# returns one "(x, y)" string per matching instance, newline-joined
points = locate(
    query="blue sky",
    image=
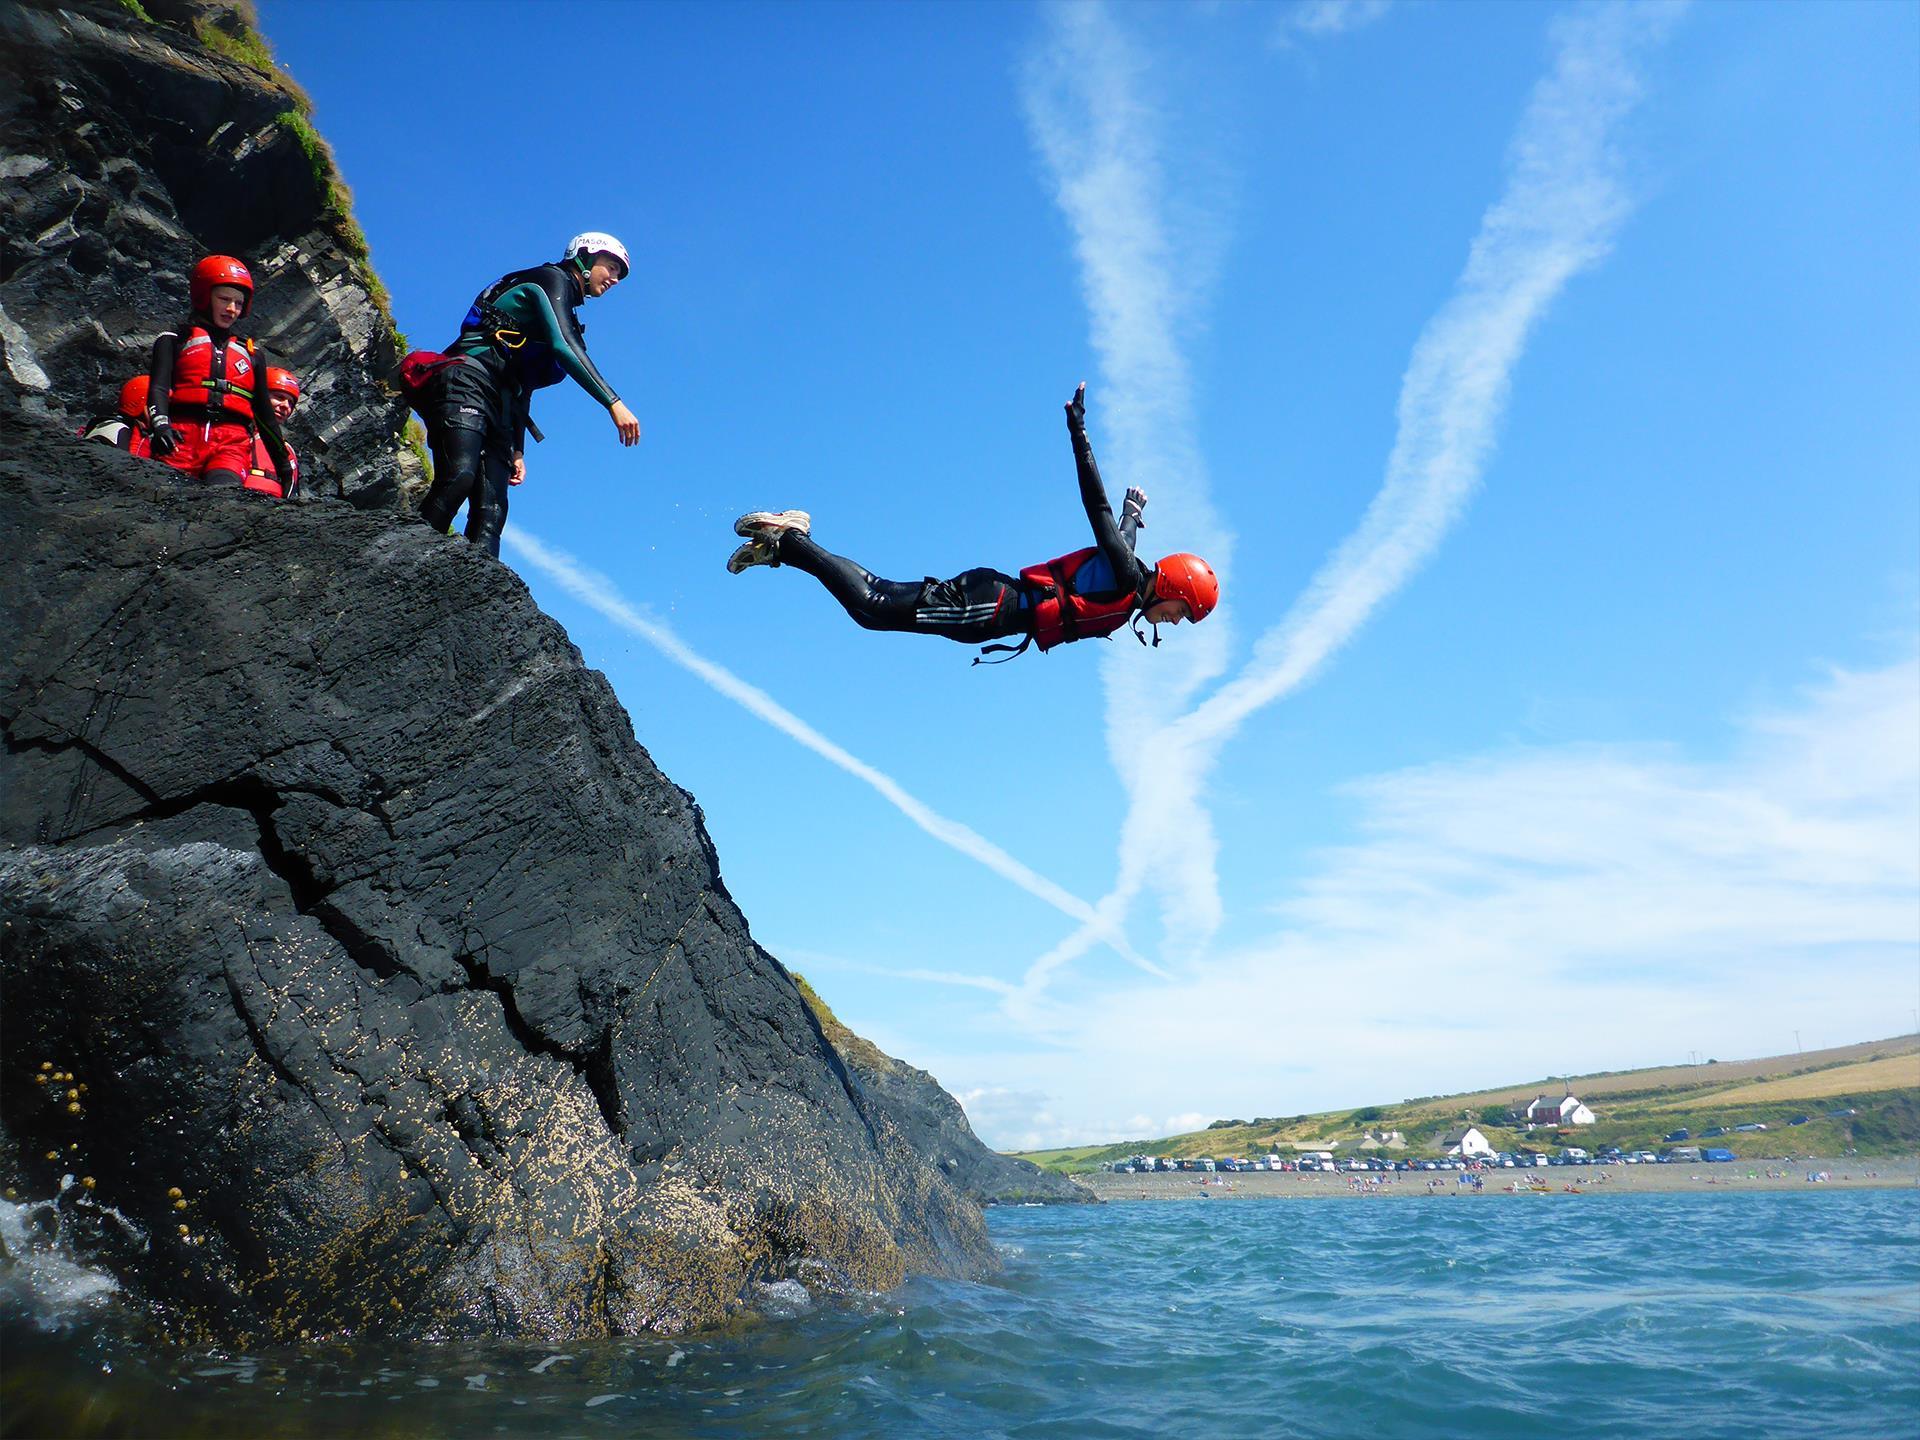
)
(1539, 377)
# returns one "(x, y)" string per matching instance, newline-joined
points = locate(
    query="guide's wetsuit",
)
(520, 335)
(980, 605)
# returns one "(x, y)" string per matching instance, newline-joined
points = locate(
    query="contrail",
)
(1086, 90)
(599, 593)
(1561, 207)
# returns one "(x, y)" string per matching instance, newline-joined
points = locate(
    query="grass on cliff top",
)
(137, 10)
(862, 1052)
(1880, 1081)
(236, 35)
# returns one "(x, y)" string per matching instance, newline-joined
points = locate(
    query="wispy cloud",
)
(1563, 202)
(1088, 92)
(1648, 902)
(1327, 17)
(600, 594)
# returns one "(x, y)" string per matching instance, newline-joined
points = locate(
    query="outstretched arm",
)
(547, 310)
(1114, 542)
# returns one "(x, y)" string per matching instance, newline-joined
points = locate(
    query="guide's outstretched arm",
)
(1114, 540)
(549, 316)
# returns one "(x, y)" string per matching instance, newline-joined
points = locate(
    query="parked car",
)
(1643, 1157)
(1799, 1120)
(1681, 1155)
(1750, 1127)
(1715, 1153)
(1717, 1130)
(1841, 1113)
(1673, 1135)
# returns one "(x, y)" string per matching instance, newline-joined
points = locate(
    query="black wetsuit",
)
(980, 605)
(521, 334)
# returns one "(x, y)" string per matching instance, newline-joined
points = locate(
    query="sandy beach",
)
(1900, 1173)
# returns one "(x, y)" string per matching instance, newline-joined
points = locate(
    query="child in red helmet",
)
(203, 383)
(283, 394)
(128, 429)
(1088, 593)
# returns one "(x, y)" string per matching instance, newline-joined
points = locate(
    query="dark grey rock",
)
(936, 1126)
(345, 891)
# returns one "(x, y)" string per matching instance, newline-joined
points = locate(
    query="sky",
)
(1538, 379)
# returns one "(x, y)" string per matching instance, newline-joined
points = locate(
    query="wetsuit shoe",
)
(758, 551)
(770, 522)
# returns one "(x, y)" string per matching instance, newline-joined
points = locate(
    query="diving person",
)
(1087, 593)
(520, 335)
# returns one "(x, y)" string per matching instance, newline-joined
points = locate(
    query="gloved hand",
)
(165, 439)
(1077, 410)
(1132, 506)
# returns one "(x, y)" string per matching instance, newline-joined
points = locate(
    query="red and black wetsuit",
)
(203, 383)
(980, 605)
(520, 335)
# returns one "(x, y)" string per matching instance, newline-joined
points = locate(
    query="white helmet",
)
(598, 242)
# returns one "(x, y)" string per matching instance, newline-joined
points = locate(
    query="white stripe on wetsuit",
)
(955, 614)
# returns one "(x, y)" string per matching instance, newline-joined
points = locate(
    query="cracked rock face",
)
(127, 151)
(353, 947)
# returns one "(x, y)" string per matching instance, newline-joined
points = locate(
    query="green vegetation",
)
(337, 208)
(137, 10)
(236, 35)
(1636, 1108)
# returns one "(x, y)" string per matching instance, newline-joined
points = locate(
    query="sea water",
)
(1642, 1315)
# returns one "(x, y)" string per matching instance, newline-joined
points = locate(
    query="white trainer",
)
(757, 551)
(771, 522)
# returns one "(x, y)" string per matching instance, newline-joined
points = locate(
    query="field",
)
(1854, 1099)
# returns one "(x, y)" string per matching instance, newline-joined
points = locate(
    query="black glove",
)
(1077, 410)
(165, 439)
(1132, 506)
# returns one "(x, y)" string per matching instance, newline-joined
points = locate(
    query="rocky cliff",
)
(131, 144)
(358, 969)
(356, 953)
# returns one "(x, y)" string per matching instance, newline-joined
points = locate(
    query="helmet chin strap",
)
(1141, 638)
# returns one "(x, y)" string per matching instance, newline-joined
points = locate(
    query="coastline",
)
(1890, 1173)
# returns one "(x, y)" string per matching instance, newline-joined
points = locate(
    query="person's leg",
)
(459, 416)
(974, 606)
(487, 507)
(456, 470)
(874, 603)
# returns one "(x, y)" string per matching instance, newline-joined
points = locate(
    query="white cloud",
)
(1327, 17)
(1528, 912)
(1562, 203)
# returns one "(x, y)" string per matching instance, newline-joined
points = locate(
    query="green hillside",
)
(1859, 1098)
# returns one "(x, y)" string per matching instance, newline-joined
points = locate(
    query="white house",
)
(1567, 1110)
(1466, 1143)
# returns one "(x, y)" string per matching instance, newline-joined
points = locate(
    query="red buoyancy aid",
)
(259, 476)
(1060, 614)
(213, 380)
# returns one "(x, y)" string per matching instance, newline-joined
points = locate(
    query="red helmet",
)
(1188, 578)
(133, 397)
(218, 270)
(282, 382)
